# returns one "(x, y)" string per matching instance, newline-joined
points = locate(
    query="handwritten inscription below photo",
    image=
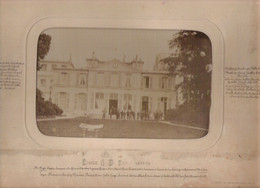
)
(123, 83)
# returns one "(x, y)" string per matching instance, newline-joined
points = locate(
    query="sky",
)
(108, 44)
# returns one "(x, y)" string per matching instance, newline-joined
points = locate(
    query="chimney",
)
(93, 55)
(70, 60)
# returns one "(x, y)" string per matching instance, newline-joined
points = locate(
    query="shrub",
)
(46, 108)
(189, 114)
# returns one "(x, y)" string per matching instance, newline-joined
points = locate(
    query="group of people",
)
(127, 114)
(131, 115)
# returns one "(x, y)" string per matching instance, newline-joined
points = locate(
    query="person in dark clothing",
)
(111, 112)
(104, 113)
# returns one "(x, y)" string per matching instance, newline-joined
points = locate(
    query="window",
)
(99, 102)
(146, 81)
(64, 66)
(127, 102)
(163, 105)
(163, 82)
(128, 81)
(127, 97)
(43, 67)
(114, 80)
(64, 79)
(100, 79)
(145, 102)
(64, 101)
(145, 98)
(43, 82)
(99, 95)
(82, 101)
(113, 96)
(82, 79)
(53, 67)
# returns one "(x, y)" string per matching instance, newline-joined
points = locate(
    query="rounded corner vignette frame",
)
(216, 112)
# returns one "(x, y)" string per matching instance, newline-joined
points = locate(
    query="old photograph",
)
(123, 83)
(152, 94)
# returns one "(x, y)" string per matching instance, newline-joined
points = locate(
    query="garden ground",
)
(119, 129)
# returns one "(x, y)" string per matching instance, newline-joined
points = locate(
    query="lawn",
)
(118, 129)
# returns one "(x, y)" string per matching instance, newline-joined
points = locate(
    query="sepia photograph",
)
(152, 94)
(123, 83)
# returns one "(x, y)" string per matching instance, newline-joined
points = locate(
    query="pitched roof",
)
(115, 65)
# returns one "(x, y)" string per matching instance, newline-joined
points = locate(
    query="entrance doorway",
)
(81, 103)
(164, 104)
(113, 106)
(145, 104)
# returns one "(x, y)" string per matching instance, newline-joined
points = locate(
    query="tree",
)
(43, 47)
(192, 60)
(44, 108)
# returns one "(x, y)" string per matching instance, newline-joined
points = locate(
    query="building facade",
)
(106, 86)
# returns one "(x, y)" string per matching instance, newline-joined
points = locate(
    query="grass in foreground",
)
(118, 129)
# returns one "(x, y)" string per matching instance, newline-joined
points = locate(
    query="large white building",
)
(102, 86)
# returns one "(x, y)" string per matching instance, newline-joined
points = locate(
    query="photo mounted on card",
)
(134, 82)
(123, 83)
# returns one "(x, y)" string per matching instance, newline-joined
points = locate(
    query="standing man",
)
(111, 112)
(104, 113)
